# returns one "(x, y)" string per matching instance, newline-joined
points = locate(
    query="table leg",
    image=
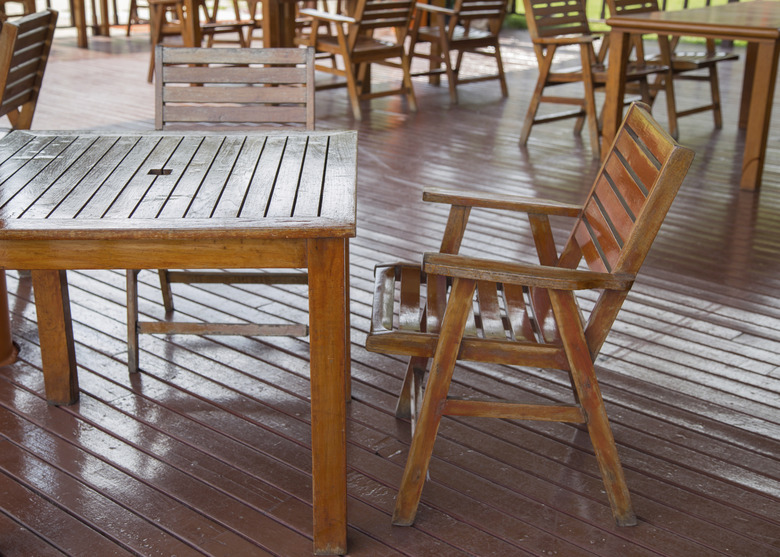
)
(619, 47)
(747, 84)
(191, 34)
(278, 23)
(760, 114)
(55, 332)
(8, 350)
(328, 318)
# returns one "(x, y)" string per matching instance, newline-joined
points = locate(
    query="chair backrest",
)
(234, 86)
(553, 18)
(631, 7)
(629, 200)
(373, 15)
(24, 51)
(493, 11)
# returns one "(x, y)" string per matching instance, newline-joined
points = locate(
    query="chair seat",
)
(409, 306)
(459, 34)
(367, 46)
(687, 61)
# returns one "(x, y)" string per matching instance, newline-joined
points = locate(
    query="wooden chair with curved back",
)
(375, 33)
(25, 44)
(527, 314)
(470, 26)
(201, 87)
(554, 25)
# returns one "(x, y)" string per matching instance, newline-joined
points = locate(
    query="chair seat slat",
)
(490, 321)
(409, 310)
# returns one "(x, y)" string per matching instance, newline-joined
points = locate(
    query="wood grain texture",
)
(689, 372)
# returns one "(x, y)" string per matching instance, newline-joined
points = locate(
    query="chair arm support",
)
(542, 276)
(435, 9)
(326, 16)
(507, 202)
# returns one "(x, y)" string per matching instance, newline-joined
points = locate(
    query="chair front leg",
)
(439, 378)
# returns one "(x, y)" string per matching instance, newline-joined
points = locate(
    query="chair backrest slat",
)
(234, 85)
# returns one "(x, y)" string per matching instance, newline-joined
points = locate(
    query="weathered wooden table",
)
(162, 200)
(757, 22)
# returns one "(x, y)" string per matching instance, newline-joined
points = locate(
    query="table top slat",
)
(337, 201)
(260, 190)
(162, 185)
(229, 204)
(313, 173)
(213, 184)
(32, 170)
(93, 167)
(287, 180)
(114, 197)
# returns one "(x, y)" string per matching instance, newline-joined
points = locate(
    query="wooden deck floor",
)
(206, 451)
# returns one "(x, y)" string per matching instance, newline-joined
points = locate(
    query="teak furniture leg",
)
(620, 45)
(453, 325)
(80, 21)
(583, 377)
(55, 331)
(747, 84)
(8, 350)
(329, 336)
(760, 113)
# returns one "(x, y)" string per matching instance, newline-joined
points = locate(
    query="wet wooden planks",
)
(207, 450)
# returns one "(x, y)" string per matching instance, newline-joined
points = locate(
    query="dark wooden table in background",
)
(757, 22)
(162, 200)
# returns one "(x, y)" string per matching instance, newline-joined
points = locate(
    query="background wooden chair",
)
(559, 24)
(525, 314)
(471, 26)
(24, 51)
(203, 86)
(166, 19)
(683, 63)
(374, 34)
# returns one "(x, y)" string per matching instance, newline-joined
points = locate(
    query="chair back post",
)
(25, 45)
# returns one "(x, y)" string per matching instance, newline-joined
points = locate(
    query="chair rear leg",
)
(408, 399)
(715, 90)
(439, 378)
(165, 289)
(588, 393)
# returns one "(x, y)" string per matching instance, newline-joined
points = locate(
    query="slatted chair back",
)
(550, 18)
(624, 210)
(490, 11)
(374, 15)
(234, 86)
(24, 51)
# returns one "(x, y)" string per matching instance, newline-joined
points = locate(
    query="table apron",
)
(153, 254)
(749, 35)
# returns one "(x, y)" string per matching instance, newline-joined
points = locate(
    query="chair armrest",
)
(326, 16)
(567, 39)
(507, 202)
(542, 276)
(435, 9)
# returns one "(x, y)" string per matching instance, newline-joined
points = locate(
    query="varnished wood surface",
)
(208, 449)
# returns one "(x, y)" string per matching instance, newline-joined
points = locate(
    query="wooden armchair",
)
(374, 34)
(451, 30)
(559, 24)
(203, 86)
(683, 63)
(24, 51)
(526, 314)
